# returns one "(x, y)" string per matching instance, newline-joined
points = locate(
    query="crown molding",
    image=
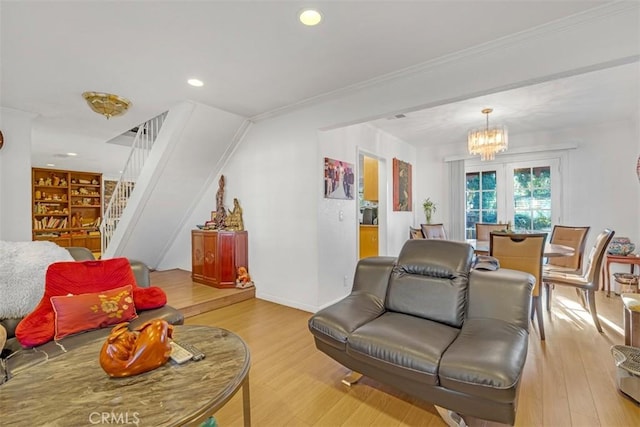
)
(518, 150)
(557, 26)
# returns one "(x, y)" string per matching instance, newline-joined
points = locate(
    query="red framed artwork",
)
(402, 189)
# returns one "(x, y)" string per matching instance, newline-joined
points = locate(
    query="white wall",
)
(15, 176)
(432, 182)
(601, 181)
(337, 239)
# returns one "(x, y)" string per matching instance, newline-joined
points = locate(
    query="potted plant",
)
(429, 209)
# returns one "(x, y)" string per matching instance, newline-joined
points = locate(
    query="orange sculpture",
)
(243, 280)
(126, 353)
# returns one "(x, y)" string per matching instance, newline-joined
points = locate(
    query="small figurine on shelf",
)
(41, 181)
(234, 219)
(221, 212)
(243, 280)
(63, 182)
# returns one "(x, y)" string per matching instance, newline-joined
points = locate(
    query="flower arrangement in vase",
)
(429, 209)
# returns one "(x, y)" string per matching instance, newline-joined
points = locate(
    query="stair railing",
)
(140, 149)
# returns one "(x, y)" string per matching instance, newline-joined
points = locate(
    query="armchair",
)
(428, 325)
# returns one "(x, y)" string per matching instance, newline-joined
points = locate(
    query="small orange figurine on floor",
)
(243, 280)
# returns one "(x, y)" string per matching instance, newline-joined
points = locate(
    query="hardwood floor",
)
(569, 379)
(193, 298)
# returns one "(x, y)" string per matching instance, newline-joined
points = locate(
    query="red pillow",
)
(84, 312)
(79, 277)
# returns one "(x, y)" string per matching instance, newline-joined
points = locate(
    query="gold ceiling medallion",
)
(107, 104)
(488, 141)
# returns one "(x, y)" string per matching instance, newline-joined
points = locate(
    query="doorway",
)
(371, 205)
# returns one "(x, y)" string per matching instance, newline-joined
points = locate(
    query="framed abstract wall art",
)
(339, 179)
(402, 188)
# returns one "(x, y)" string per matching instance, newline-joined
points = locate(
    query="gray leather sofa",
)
(428, 325)
(28, 357)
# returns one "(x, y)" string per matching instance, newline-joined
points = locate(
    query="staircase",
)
(140, 149)
(175, 162)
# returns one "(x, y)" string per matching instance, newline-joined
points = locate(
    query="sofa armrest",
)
(503, 294)
(335, 323)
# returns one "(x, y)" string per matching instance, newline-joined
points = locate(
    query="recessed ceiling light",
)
(310, 17)
(72, 154)
(195, 82)
(50, 164)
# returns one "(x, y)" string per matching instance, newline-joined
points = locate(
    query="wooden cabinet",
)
(368, 241)
(370, 179)
(66, 207)
(216, 256)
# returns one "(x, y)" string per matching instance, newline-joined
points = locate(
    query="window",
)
(524, 194)
(482, 200)
(532, 198)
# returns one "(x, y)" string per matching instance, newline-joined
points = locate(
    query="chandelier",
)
(107, 104)
(488, 141)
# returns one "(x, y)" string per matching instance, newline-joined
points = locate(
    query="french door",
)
(524, 194)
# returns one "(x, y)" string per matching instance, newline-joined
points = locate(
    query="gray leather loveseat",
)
(428, 325)
(18, 359)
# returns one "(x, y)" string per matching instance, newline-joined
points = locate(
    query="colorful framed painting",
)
(339, 179)
(402, 186)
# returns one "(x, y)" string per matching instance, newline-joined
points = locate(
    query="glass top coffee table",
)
(73, 390)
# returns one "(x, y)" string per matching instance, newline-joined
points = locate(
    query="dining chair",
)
(415, 233)
(433, 231)
(587, 283)
(523, 252)
(483, 229)
(573, 237)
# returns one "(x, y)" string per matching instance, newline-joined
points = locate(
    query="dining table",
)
(550, 249)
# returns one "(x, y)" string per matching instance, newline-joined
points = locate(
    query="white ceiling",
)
(599, 96)
(256, 59)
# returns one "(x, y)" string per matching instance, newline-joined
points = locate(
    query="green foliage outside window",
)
(531, 199)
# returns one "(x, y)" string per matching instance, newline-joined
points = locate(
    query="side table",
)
(633, 260)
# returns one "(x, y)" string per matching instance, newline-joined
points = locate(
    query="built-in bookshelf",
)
(67, 207)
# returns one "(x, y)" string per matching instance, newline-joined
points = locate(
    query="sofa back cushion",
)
(431, 280)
